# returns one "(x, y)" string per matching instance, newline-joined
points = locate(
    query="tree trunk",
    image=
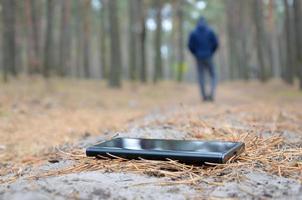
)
(36, 32)
(86, 39)
(133, 39)
(274, 39)
(231, 28)
(78, 21)
(137, 32)
(9, 40)
(48, 48)
(298, 26)
(243, 48)
(180, 53)
(158, 73)
(115, 69)
(173, 41)
(260, 38)
(33, 51)
(289, 68)
(103, 39)
(142, 38)
(65, 42)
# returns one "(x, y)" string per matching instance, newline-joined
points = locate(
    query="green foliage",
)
(179, 69)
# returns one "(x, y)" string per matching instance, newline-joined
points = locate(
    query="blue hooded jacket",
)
(203, 41)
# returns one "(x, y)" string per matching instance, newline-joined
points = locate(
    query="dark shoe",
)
(211, 98)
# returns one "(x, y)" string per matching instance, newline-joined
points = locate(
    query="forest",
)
(146, 41)
(77, 73)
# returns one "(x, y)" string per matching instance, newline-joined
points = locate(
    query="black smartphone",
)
(186, 151)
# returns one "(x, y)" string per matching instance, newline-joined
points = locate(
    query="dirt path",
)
(266, 112)
(122, 185)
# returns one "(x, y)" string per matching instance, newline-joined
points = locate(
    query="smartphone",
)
(186, 151)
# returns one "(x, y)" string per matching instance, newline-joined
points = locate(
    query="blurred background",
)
(146, 40)
(60, 59)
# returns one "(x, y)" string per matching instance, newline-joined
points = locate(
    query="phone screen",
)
(169, 145)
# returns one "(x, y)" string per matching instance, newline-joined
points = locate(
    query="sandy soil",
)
(269, 110)
(122, 185)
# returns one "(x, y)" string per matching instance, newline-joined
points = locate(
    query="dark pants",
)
(204, 66)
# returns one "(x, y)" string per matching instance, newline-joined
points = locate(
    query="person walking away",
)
(203, 43)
